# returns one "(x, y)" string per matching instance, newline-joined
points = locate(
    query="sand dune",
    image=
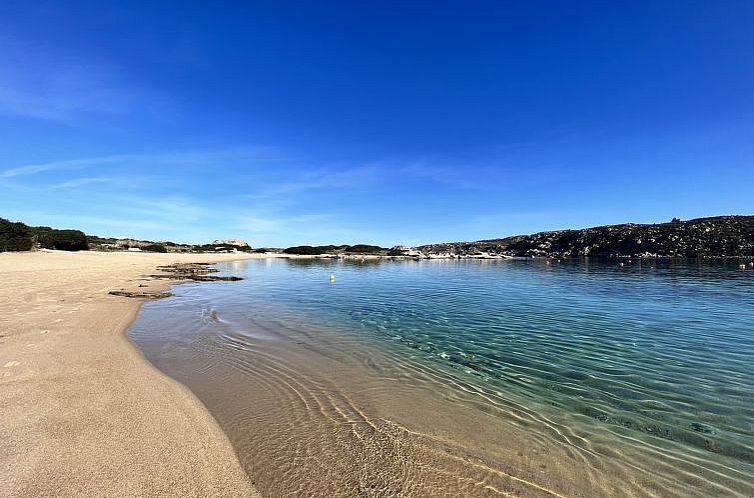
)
(81, 411)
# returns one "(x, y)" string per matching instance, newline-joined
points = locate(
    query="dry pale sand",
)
(82, 413)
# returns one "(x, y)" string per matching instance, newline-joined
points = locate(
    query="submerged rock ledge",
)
(144, 294)
(198, 272)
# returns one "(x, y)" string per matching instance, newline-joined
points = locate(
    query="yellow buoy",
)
(332, 278)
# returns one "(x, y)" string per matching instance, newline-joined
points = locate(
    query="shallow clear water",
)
(472, 378)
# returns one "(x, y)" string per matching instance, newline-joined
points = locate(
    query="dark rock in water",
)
(188, 268)
(197, 272)
(196, 278)
(141, 294)
(703, 428)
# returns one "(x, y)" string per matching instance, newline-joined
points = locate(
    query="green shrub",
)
(316, 250)
(14, 236)
(154, 248)
(364, 248)
(20, 237)
(312, 250)
(64, 240)
(303, 250)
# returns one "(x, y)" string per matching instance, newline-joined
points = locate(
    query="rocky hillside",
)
(720, 236)
(112, 244)
(230, 242)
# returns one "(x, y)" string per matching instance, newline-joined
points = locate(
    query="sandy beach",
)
(82, 413)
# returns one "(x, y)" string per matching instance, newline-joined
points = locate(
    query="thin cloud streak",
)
(73, 164)
(79, 182)
(320, 179)
(52, 82)
(198, 157)
(64, 95)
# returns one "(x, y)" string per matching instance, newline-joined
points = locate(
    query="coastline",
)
(320, 400)
(82, 412)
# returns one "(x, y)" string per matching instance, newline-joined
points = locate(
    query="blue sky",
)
(377, 122)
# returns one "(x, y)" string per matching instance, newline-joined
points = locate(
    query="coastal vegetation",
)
(365, 249)
(16, 236)
(155, 248)
(331, 249)
(219, 248)
(721, 236)
(112, 244)
(63, 240)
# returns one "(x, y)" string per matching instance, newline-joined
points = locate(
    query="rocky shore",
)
(198, 272)
(721, 236)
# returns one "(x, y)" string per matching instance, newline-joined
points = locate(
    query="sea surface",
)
(472, 378)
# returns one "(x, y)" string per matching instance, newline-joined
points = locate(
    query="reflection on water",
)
(472, 378)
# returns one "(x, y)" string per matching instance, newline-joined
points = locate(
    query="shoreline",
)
(317, 405)
(83, 412)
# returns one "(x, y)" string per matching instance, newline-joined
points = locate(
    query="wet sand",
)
(82, 413)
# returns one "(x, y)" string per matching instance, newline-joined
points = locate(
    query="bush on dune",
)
(63, 240)
(154, 248)
(20, 237)
(365, 248)
(14, 236)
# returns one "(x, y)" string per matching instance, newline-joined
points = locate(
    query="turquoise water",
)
(658, 355)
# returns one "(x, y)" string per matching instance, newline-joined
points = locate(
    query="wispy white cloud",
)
(456, 176)
(498, 175)
(176, 210)
(196, 157)
(184, 195)
(523, 222)
(53, 88)
(265, 227)
(79, 182)
(65, 83)
(73, 164)
(318, 179)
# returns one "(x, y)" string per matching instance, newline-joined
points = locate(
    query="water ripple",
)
(469, 378)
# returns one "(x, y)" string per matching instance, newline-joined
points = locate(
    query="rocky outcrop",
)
(198, 272)
(230, 242)
(142, 294)
(721, 236)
